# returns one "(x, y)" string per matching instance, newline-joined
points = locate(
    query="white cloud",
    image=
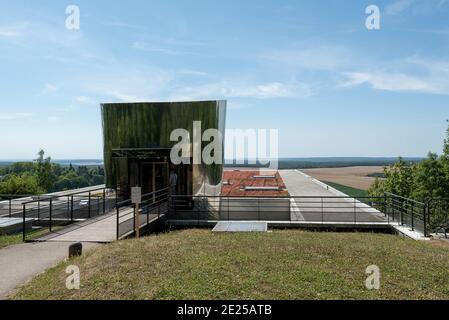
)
(14, 116)
(85, 100)
(49, 88)
(312, 57)
(12, 31)
(398, 6)
(429, 76)
(390, 82)
(54, 119)
(236, 89)
(146, 47)
(415, 7)
(8, 34)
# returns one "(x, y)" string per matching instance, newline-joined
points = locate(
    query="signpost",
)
(136, 199)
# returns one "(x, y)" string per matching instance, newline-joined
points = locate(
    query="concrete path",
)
(102, 229)
(332, 207)
(20, 263)
(299, 184)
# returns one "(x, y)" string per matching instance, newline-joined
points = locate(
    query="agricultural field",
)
(355, 177)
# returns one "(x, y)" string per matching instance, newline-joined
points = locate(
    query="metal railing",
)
(407, 212)
(45, 214)
(48, 213)
(153, 206)
(11, 205)
(438, 217)
(317, 209)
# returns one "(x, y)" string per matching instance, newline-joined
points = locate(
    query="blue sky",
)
(308, 68)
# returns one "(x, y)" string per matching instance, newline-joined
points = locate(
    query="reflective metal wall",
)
(149, 125)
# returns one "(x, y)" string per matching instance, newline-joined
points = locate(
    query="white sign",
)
(136, 195)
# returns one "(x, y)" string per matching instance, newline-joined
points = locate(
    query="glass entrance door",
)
(155, 176)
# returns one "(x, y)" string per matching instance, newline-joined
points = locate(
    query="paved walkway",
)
(20, 263)
(316, 201)
(102, 229)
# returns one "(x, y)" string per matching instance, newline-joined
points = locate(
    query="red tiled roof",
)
(239, 179)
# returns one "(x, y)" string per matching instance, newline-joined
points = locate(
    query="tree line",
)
(42, 176)
(420, 181)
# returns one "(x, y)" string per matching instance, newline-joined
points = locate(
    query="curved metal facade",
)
(143, 129)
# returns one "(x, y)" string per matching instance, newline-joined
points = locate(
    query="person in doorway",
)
(173, 181)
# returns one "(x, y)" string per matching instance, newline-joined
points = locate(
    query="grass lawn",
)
(350, 191)
(8, 240)
(199, 264)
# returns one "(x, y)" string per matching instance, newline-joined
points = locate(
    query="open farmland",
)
(355, 177)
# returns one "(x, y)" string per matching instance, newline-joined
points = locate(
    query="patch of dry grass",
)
(199, 264)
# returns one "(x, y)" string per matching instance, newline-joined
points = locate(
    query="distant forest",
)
(42, 176)
(332, 162)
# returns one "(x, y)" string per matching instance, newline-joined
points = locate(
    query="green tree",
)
(429, 179)
(44, 172)
(399, 178)
(25, 184)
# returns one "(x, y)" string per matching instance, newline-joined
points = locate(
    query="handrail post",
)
(402, 212)
(89, 213)
(355, 211)
(68, 208)
(104, 200)
(10, 211)
(51, 215)
(39, 208)
(386, 208)
(413, 217)
(134, 220)
(118, 222)
(24, 224)
(71, 208)
(426, 212)
(228, 208)
(322, 210)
